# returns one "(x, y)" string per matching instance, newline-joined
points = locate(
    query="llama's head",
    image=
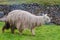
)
(47, 19)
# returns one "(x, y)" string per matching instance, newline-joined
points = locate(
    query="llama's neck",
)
(40, 19)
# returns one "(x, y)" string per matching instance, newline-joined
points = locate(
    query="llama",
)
(23, 19)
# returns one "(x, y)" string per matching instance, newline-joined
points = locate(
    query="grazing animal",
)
(23, 19)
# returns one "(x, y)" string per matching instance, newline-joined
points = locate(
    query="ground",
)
(45, 32)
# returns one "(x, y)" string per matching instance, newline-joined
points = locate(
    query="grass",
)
(45, 32)
(44, 2)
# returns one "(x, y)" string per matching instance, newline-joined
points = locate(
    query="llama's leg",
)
(4, 27)
(33, 32)
(19, 27)
(7, 25)
(12, 28)
(20, 30)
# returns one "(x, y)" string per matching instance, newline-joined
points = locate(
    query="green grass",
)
(44, 2)
(45, 32)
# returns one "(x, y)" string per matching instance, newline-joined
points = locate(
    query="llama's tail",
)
(3, 19)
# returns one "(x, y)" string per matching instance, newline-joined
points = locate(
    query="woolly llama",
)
(23, 19)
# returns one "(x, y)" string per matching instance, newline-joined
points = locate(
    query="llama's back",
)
(21, 12)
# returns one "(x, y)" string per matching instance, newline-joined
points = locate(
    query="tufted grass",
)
(45, 32)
